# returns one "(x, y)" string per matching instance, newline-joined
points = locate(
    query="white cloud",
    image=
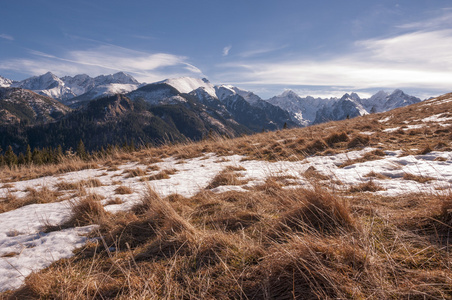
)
(416, 59)
(6, 37)
(106, 59)
(226, 50)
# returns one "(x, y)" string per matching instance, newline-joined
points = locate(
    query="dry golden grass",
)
(86, 210)
(369, 156)
(113, 201)
(137, 172)
(418, 178)
(123, 190)
(300, 243)
(312, 174)
(27, 172)
(227, 177)
(34, 196)
(164, 174)
(376, 175)
(368, 186)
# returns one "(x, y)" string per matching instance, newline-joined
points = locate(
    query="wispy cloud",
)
(226, 50)
(443, 20)
(6, 37)
(260, 50)
(417, 58)
(106, 59)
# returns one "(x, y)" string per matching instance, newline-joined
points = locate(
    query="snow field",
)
(25, 248)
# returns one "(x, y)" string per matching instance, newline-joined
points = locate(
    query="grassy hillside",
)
(353, 209)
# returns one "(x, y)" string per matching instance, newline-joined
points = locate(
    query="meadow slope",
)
(360, 208)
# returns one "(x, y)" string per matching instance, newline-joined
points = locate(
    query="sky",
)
(318, 48)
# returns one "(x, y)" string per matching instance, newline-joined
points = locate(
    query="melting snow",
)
(437, 118)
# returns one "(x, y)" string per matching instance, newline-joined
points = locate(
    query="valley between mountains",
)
(354, 208)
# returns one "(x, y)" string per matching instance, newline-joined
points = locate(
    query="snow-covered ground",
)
(25, 248)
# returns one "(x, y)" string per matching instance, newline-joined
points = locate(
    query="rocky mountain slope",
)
(20, 106)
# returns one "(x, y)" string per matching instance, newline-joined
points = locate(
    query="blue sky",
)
(320, 48)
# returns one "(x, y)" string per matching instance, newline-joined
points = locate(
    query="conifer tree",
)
(10, 157)
(81, 152)
(21, 159)
(28, 155)
(37, 157)
(59, 153)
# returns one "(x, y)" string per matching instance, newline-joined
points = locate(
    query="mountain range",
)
(117, 108)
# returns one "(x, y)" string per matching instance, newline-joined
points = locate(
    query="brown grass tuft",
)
(315, 147)
(34, 196)
(85, 211)
(164, 174)
(226, 177)
(134, 172)
(317, 210)
(337, 138)
(359, 141)
(368, 186)
(418, 178)
(425, 150)
(122, 190)
(376, 175)
(311, 268)
(64, 185)
(312, 174)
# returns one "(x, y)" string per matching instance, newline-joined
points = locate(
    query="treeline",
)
(50, 155)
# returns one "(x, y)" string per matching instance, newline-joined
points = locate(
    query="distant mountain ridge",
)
(229, 102)
(117, 109)
(66, 88)
(226, 100)
(307, 111)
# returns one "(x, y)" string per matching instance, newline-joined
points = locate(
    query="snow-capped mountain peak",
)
(351, 97)
(289, 94)
(383, 101)
(186, 85)
(224, 91)
(66, 88)
(43, 82)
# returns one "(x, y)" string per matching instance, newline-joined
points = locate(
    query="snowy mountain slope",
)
(101, 91)
(302, 110)
(156, 93)
(83, 83)
(258, 116)
(5, 82)
(349, 106)
(383, 101)
(272, 112)
(48, 85)
(223, 91)
(66, 88)
(186, 85)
